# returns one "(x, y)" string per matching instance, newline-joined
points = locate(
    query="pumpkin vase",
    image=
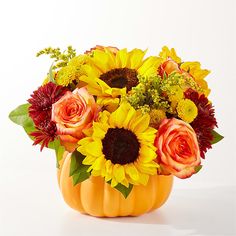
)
(97, 198)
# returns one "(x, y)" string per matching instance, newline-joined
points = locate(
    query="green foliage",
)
(51, 76)
(29, 130)
(78, 171)
(20, 116)
(216, 137)
(198, 168)
(59, 150)
(123, 189)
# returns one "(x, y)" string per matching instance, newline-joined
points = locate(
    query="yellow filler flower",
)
(120, 147)
(72, 72)
(187, 110)
(111, 75)
(192, 69)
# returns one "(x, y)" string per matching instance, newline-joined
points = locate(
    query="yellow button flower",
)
(187, 110)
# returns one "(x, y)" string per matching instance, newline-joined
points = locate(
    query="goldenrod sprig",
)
(61, 59)
(148, 95)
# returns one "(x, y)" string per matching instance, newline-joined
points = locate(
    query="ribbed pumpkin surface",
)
(95, 197)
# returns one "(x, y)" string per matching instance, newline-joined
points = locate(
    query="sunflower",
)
(112, 75)
(120, 147)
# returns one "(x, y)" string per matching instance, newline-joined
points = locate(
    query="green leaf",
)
(164, 75)
(197, 168)
(59, 154)
(123, 189)
(59, 150)
(76, 161)
(29, 129)
(51, 77)
(78, 170)
(80, 177)
(53, 145)
(20, 116)
(216, 137)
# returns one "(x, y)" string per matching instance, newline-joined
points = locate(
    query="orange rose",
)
(102, 48)
(168, 67)
(177, 148)
(73, 113)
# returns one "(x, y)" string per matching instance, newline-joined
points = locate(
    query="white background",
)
(203, 30)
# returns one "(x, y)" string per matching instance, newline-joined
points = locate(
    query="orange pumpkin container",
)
(97, 198)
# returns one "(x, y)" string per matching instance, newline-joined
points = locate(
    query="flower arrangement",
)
(122, 116)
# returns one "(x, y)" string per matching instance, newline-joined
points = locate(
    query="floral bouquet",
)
(121, 125)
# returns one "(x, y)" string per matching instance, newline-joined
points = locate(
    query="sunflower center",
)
(121, 146)
(120, 78)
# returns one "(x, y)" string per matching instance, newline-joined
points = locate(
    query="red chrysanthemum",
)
(205, 121)
(40, 111)
(41, 102)
(45, 134)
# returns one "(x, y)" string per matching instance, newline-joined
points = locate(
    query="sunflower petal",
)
(121, 58)
(149, 66)
(147, 154)
(99, 130)
(101, 60)
(147, 136)
(109, 103)
(144, 179)
(129, 115)
(125, 182)
(140, 124)
(89, 160)
(118, 117)
(94, 148)
(169, 53)
(136, 58)
(119, 173)
(108, 166)
(96, 172)
(113, 183)
(132, 172)
(98, 163)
